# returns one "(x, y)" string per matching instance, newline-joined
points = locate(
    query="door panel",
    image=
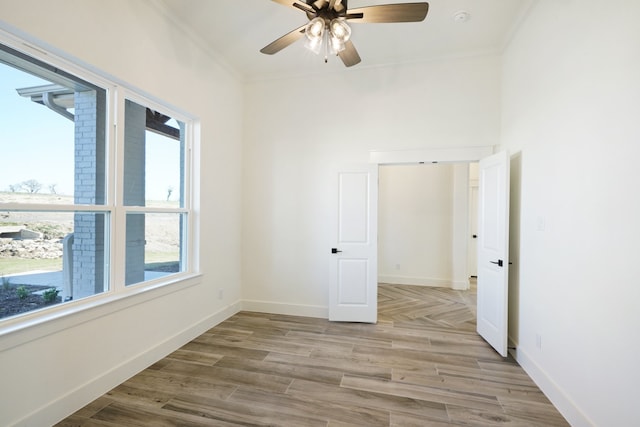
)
(354, 191)
(353, 283)
(493, 251)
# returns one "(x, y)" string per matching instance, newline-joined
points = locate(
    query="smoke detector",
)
(461, 16)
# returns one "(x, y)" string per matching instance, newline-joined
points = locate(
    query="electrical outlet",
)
(221, 294)
(397, 266)
(538, 341)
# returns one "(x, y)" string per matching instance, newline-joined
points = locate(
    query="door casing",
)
(431, 155)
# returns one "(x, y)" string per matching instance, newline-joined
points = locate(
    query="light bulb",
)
(337, 45)
(340, 30)
(314, 45)
(315, 28)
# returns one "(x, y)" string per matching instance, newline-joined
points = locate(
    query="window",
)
(154, 196)
(86, 211)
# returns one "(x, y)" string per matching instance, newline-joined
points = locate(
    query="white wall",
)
(416, 225)
(303, 129)
(49, 371)
(571, 108)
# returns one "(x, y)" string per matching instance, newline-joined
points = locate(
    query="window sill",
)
(36, 325)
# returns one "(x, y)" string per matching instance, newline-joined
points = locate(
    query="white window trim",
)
(32, 325)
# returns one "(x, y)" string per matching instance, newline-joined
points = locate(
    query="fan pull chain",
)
(326, 46)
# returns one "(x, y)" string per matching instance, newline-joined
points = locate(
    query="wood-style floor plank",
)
(368, 399)
(422, 364)
(298, 404)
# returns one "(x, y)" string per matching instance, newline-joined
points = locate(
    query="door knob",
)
(499, 263)
(335, 250)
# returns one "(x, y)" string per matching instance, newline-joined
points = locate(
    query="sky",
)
(35, 143)
(38, 144)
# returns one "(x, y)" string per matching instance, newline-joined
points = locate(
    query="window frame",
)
(68, 314)
(119, 270)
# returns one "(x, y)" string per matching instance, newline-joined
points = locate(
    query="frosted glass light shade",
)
(315, 29)
(340, 30)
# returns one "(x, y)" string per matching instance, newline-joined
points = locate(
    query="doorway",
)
(424, 224)
(493, 197)
(356, 208)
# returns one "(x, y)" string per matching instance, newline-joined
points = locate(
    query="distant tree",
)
(32, 186)
(52, 188)
(169, 192)
(14, 188)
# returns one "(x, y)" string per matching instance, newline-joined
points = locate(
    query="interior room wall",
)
(53, 369)
(571, 102)
(416, 225)
(304, 129)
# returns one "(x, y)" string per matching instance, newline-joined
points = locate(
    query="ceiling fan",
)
(328, 28)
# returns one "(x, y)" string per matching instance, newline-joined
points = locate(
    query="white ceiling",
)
(236, 30)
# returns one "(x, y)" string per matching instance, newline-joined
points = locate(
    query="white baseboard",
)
(58, 409)
(554, 393)
(286, 309)
(460, 285)
(425, 281)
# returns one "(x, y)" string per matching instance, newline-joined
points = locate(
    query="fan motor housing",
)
(323, 11)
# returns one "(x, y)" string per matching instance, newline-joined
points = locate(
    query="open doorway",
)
(353, 282)
(425, 223)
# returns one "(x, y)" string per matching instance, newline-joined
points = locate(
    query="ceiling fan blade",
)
(284, 41)
(384, 13)
(349, 55)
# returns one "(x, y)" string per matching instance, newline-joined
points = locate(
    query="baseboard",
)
(422, 281)
(460, 285)
(58, 409)
(554, 393)
(286, 309)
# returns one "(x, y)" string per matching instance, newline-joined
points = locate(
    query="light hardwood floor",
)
(421, 365)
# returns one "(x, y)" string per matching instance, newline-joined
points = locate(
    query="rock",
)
(31, 249)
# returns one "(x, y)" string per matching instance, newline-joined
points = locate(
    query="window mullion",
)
(118, 221)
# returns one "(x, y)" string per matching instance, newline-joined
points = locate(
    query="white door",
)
(493, 250)
(353, 284)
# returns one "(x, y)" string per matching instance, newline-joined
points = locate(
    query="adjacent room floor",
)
(422, 364)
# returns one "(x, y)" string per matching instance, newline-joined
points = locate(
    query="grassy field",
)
(10, 266)
(41, 198)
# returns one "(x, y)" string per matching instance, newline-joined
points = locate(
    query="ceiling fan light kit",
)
(333, 35)
(328, 25)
